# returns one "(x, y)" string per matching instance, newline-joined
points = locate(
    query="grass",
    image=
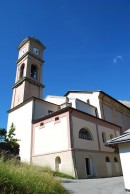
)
(62, 175)
(27, 179)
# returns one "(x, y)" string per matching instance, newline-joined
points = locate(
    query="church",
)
(66, 133)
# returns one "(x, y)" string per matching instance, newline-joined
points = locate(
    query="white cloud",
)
(117, 59)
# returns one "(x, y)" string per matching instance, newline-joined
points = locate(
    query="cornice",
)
(29, 54)
(35, 82)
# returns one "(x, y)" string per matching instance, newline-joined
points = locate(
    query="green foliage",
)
(10, 136)
(62, 175)
(2, 134)
(27, 179)
(9, 144)
(2, 131)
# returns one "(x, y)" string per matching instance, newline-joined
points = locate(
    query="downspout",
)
(72, 144)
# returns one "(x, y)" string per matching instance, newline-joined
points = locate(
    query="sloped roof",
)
(32, 38)
(80, 91)
(126, 103)
(85, 91)
(120, 139)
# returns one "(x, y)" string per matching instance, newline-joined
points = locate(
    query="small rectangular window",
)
(57, 119)
(42, 125)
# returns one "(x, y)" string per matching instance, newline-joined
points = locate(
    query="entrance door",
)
(88, 166)
(108, 164)
(117, 165)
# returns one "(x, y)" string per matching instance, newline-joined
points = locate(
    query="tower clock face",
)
(36, 51)
(22, 51)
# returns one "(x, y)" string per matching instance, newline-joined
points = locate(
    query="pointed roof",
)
(30, 38)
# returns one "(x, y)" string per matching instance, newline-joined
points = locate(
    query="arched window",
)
(34, 72)
(85, 134)
(115, 159)
(111, 136)
(57, 163)
(103, 137)
(21, 71)
(107, 159)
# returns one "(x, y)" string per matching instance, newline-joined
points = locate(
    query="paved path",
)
(114, 185)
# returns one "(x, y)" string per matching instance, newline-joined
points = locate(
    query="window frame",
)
(84, 133)
(104, 137)
(107, 159)
(21, 73)
(115, 160)
(34, 72)
(111, 136)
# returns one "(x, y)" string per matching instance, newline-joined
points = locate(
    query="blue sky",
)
(87, 45)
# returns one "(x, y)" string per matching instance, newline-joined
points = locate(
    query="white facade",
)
(22, 117)
(43, 108)
(76, 103)
(56, 99)
(124, 150)
(96, 103)
(107, 107)
(52, 136)
(22, 120)
(92, 97)
(123, 144)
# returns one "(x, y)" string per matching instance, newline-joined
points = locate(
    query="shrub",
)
(9, 143)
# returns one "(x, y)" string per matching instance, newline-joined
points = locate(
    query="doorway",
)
(109, 169)
(57, 164)
(88, 166)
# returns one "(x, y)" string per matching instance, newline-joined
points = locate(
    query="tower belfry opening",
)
(21, 71)
(34, 72)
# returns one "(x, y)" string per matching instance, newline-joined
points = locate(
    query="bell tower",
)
(28, 80)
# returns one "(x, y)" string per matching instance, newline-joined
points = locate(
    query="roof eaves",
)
(28, 100)
(80, 91)
(28, 39)
(118, 140)
(52, 114)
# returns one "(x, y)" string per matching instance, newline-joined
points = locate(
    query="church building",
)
(66, 133)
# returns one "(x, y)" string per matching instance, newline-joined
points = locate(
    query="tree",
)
(2, 134)
(9, 145)
(10, 136)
